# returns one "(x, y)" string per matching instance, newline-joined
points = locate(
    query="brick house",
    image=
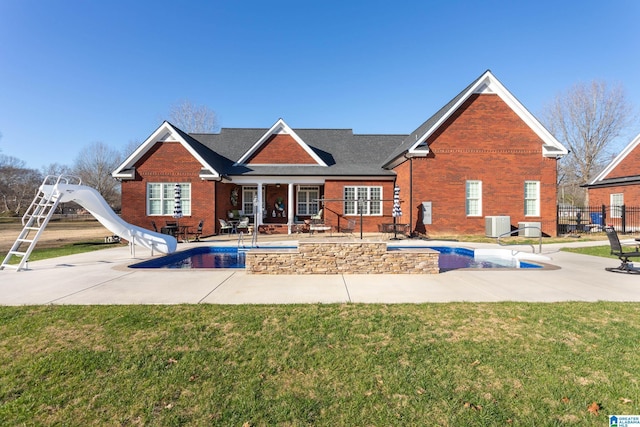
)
(619, 183)
(483, 154)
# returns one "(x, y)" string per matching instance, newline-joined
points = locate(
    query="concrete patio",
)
(102, 277)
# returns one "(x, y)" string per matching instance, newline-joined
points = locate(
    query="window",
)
(160, 198)
(474, 198)
(248, 194)
(307, 200)
(532, 198)
(616, 201)
(363, 200)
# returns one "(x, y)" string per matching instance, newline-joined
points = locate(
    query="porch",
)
(281, 208)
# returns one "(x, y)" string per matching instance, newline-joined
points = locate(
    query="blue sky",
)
(74, 72)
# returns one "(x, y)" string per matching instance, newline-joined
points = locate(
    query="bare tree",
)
(94, 165)
(193, 118)
(56, 169)
(18, 185)
(586, 119)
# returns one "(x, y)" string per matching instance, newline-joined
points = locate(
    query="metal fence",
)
(574, 219)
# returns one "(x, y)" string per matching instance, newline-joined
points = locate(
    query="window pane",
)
(154, 191)
(531, 198)
(472, 207)
(616, 201)
(375, 208)
(167, 207)
(154, 207)
(473, 198)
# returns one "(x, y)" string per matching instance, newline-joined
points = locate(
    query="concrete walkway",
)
(102, 277)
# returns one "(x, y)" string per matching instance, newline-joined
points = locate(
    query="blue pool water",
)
(456, 258)
(229, 257)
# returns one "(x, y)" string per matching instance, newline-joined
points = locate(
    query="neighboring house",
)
(619, 183)
(483, 154)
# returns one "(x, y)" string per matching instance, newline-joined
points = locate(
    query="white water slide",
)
(55, 190)
(93, 202)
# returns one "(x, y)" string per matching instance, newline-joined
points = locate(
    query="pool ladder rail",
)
(509, 233)
(254, 239)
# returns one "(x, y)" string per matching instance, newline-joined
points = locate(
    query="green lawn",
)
(602, 251)
(67, 249)
(333, 365)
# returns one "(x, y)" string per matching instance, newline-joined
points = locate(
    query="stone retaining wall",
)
(342, 258)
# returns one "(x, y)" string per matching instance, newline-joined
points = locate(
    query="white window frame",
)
(310, 203)
(616, 200)
(249, 192)
(532, 199)
(166, 198)
(473, 209)
(371, 202)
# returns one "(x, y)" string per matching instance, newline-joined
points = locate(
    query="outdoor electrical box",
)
(426, 213)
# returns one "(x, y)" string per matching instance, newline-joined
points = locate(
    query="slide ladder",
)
(34, 222)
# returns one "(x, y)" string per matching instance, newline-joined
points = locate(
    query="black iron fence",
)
(574, 219)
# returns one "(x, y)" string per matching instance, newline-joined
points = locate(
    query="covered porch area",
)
(282, 206)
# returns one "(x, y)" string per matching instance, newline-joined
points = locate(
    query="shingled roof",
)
(338, 152)
(345, 153)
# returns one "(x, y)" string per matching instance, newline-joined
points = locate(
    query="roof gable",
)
(167, 132)
(617, 161)
(280, 136)
(416, 143)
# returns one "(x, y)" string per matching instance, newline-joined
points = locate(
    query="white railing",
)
(533, 249)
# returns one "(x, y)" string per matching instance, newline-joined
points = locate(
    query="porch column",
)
(290, 207)
(260, 204)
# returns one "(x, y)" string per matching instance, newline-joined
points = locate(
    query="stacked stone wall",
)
(342, 258)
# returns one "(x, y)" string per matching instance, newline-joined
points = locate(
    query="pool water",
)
(230, 257)
(457, 258)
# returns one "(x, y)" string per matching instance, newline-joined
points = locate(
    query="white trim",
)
(489, 84)
(368, 203)
(617, 160)
(615, 206)
(165, 133)
(280, 128)
(537, 198)
(303, 179)
(467, 198)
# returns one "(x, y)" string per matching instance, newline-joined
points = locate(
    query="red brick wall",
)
(168, 162)
(484, 140)
(602, 196)
(629, 166)
(281, 149)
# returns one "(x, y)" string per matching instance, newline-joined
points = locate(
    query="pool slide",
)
(93, 202)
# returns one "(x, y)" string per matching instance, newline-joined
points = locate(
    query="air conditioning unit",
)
(529, 232)
(497, 225)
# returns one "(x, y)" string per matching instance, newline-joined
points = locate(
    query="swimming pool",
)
(451, 258)
(456, 258)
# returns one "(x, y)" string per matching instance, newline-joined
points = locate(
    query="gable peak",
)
(280, 127)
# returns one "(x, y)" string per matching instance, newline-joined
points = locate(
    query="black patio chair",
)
(349, 228)
(196, 234)
(616, 249)
(155, 227)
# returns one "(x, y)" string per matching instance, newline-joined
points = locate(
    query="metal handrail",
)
(533, 249)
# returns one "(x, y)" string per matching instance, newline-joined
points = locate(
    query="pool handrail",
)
(533, 249)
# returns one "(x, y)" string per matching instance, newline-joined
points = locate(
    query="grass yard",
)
(602, 251)
(333, 365)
